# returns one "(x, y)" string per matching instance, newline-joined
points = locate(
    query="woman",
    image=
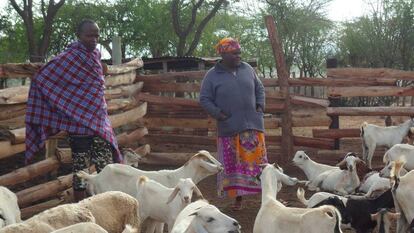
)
(235, 97)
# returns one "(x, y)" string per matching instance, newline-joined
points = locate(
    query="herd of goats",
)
(350, 195)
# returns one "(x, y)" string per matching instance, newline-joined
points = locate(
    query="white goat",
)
(384, 218)
(159, 203)
(273, 216)
(52, 219)
(123, 178)
(202, 217)
(9, 209)
(403, 194)
(373, 136)
(90, 227)
(397, 151)
(341, 182)
(311, 168)
(120, 177)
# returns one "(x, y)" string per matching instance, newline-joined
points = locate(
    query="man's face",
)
(232, 58)
(89, 36)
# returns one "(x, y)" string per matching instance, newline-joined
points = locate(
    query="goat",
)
(273, 215)
(9, 209)
(358, 210)
(397, 151)
(323, 198)
(342, 182)
(131, 157)
(311, 168)
(123, 178)
(383, 218)
(90, 227)
(159, 203)
(202, 217)
(373, 136)
(403, 193)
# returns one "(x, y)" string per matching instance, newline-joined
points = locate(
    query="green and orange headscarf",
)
(227, 45)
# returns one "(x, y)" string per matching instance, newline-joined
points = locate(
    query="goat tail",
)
(300, 193)
(129, 229)
(142, 180)
(363, 125)
(397, 166)
(84, 175)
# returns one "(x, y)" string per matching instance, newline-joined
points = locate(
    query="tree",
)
(38, 45)
(184, 18)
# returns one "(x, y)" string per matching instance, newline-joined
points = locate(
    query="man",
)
(234, 96)
(67, 94)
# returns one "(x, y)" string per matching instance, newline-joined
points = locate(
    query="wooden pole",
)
(334, 102)
(283, 76)
(116, 50)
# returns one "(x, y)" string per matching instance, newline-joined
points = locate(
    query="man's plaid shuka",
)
(67, 94)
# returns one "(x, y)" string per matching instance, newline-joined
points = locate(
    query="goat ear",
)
(263, 165)
(374, 216)
(173, 194)
(198, 193)
(194, 214)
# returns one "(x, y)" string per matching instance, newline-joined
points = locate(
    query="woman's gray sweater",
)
(235, 95)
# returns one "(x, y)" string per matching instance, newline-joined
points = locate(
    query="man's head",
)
(229, 49)
(88, 34)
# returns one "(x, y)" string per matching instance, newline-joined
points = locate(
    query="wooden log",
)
(17, 136)
(7, 149)
(129, 116)
(327, 82)
(8, 111)
(362, 73)
(189, 75)
(171, 87)
(126, 139)
(32, 171)
(313, 142)
(143, 150)
(13, 123)
(116, 105)
(18, 95)
(270, 123)
(184, 148)
(176, 159)
(370, 91)
(336, 133)
(120, 79)
(180, 139)
(35, 209)
(309, 101)
(14, 95)
(18, 70)
(43, 191)
(370, 111)
(125, 67)
(123, 91)
(310, 121)
(283, 76)
(165, 99)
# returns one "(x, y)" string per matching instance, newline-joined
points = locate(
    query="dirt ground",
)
(251, 204)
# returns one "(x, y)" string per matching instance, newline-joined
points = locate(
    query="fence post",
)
(334, 102)
(283, 75)
(116, 50)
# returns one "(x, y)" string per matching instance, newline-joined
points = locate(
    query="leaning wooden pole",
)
(283, 76)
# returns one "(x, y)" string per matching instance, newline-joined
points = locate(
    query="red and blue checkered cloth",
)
(67, 94)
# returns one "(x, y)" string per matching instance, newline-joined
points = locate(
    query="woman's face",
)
(89, 36)
(232, 59)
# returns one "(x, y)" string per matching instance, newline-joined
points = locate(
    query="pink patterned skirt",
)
(240, 155)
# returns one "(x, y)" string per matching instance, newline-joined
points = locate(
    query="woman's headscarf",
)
(227, 45)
